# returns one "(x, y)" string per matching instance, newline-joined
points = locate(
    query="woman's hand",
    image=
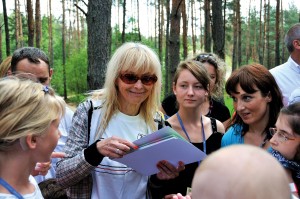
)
(115, 147)
(167, 171)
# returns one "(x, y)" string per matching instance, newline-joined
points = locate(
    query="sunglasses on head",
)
(207, 57)
(130, 78)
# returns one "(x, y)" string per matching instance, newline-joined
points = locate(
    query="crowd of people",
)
(49, 151)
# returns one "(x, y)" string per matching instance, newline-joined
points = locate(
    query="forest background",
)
(79, 36)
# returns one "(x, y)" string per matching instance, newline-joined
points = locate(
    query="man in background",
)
(287, 75)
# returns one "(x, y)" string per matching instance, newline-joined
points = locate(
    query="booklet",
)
(164, 144)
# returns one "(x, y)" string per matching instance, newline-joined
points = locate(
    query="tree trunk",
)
(99, 42)
(184, 30)
(218, 34)
(167, 67)
(193, 20)
(50, 42)
(268, 61)
(277, 34)
(207, 26)
(235, 37)
(260, 46)
(160, 31)
(264, 35)
(30, 23)
(174, 43)
(77, 25)
(138, 20)
(239, 26)
(38, 28)
(64, 48)
(124, 23)
(17, 26)
(282, 33)
(248, 34)
(201, 36)
(7, 41)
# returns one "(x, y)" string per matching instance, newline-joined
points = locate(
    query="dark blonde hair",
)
(5, 66)
(197, 69)
(26, 108)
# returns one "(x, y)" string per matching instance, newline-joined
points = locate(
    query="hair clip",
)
(46, 89)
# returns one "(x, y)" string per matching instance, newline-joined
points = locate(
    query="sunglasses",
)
(207, 57)
(130, 78)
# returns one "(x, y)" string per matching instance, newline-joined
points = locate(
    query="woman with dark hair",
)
(257, 101)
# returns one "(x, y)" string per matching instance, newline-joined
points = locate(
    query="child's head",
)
(286, 138)
(28, 110)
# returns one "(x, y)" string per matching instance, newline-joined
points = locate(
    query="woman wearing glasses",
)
(257, 101)
(212, 107)
(285, 143)
(191, 86)
(123, 111)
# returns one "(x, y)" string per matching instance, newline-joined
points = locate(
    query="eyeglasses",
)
(130, 78)
(280, 136)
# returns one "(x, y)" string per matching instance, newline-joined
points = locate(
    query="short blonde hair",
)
(26, 108)
(136, 58)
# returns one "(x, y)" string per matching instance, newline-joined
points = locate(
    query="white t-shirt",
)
(35, 195)
(113, 180)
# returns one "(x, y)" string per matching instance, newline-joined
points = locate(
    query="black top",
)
(160, 188)
(217, 110)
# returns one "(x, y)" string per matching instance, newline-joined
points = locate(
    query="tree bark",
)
(184, 30)
(38, 28)
(192, 26)
(218, 34)
(277, 34)
(235, 37)
(239, 26)
(64, 48)
(167, 67)
(174, 43)
(207, 26)
(7, 41)
(50, 41)
(99, 42)
(30, 23)
(124, 23)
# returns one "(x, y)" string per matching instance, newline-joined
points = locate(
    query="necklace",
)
(263, 143)
(187, 135)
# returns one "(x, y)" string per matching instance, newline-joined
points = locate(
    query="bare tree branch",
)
(80, 9)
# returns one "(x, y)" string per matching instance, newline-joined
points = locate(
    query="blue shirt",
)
(233, 136)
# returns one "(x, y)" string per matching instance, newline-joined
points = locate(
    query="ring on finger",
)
(117, 151)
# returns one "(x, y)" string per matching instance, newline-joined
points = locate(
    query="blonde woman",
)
(125, 111)
(29, 118)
